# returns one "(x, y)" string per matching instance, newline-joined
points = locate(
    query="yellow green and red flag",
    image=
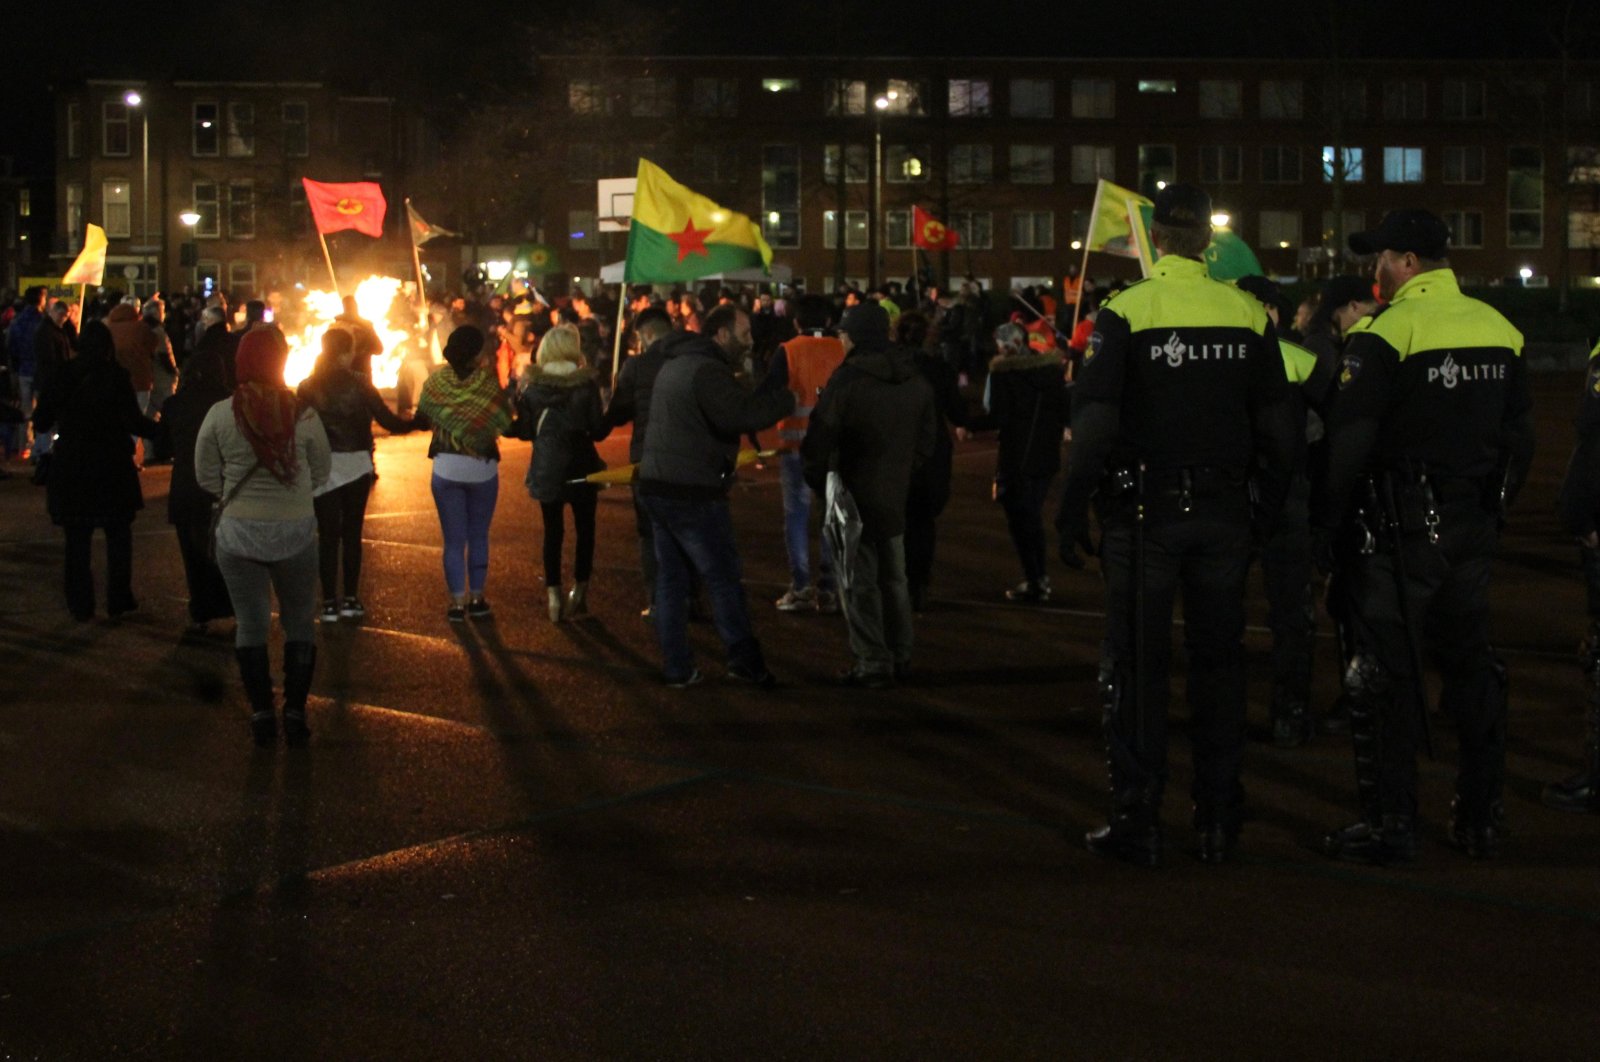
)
(677, 234)
(1119, 223)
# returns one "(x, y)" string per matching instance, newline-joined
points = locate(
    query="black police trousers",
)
(1206, 554)
(1291, 609)
(1447, 602)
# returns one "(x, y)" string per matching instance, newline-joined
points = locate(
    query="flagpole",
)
(416, 262)
(616, 340)
(327, 257)
(1083, 273)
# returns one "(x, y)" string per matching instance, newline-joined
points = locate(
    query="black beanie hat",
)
(463, 348)
(867, 325)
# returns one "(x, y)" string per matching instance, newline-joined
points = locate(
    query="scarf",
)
(472, 413)
(264, 410)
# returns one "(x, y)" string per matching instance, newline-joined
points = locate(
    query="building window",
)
(74, 217)
(780, 84)
(582, 231)
(1464, 100)
(207, 275)
(1402, 165)
(652, 97)
(897, 230)
(971, 163)
(587, 96)
(1158, 167)
(1158, 86)
(906, 97)
(715, 97)
(1094, 97)
(299, 215)
(855, 229)
(857, 163)
(969, 98)
(24, 203)
(1221, 99)
(74, 131)
(296, 129)
(1405, 100)
(1033, 164)
(1280, 229)
(906, 163)
(1583, 230)
(1466, 227)
(1033, 97)
(1583, 164)
(116, 208)
(241, 130)
(1091, 162)
(242, 210)
(1033, 230)
(1463, 165)
(716, 163)
(1351, 96)
(1354, 221)
(844, 97)
(241, 278)
(1221, 164)
(207, 138)
(1280, 164)
(780, 194)
(1354, 166)
(114, 135)
(1524, 197)
(208, 204)
(583, 161)
(1283, 100)
(974, 228)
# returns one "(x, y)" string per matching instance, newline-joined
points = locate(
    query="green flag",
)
(1229, 257)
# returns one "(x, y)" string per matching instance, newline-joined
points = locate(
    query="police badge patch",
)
(1349, 369)
(1095, 340)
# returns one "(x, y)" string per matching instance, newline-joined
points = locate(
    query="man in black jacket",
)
(630, 401)
(698, 411)
(874, 424)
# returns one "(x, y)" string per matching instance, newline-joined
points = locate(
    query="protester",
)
(468, 412)
(21, 356)
(264, 456)
(930, 483)
(92, 407)
(348, 404)
(630, 401)
(200, 386)
(559, 409)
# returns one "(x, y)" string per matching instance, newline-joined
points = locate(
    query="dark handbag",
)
(217, 508)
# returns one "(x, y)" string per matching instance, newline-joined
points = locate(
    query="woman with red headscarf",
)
(264, 454)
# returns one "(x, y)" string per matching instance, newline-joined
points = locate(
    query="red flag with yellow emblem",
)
(929, 233)
(334, 207)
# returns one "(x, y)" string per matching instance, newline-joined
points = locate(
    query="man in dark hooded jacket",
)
(875, 423)
(698, 412)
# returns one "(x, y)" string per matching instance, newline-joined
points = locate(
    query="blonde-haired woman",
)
(559, 409)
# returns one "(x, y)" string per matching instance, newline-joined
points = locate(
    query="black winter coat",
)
(1028, 404)
(91, 404)
(875, 423)
(630, 399)
(348, 404)
(932, 480)
(561, 414)
(181, 416)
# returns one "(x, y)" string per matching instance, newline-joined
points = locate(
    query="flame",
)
(373, 298)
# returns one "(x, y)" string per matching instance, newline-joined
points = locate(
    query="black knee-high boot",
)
(255, 669)
(299, 663)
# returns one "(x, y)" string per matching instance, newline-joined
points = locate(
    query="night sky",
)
(451, 54)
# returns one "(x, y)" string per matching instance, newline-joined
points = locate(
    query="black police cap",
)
(1416, 231)
(1183, 206)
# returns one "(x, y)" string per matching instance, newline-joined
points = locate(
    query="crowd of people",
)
(1207, 426)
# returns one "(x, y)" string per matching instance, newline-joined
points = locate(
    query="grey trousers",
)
(877, 604)
(251, 584)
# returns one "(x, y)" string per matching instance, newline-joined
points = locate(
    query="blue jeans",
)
(465, 510)
(694, 535)
(797, 527)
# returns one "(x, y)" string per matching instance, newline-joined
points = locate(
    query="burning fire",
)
(373, 298)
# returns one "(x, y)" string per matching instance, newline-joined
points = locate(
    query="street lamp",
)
(136, 101)
(875, 235)
(1220, 219)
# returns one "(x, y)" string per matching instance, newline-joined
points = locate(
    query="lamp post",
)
(136, 101)
(190, 219)
(874, 234)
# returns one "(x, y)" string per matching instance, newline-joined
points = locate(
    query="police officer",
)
(1182, 396)
(1580, 515)
(1430, 435)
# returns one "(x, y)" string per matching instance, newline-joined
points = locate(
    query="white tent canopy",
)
(781, 274)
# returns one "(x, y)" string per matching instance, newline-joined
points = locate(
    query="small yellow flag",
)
(90, 266)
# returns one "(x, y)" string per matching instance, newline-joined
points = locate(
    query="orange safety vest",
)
(1071, 289)
(812, 360)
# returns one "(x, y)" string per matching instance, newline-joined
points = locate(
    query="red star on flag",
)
(691, 240)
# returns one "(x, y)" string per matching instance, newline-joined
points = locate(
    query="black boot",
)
(255, 670)
(1379, 838)
(1581, 792)
(1133, 831)
(299, 663)
(1478, 836)
(1217, 831)
(1392, 840)
(1291, 723)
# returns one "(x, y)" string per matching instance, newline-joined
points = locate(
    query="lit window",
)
(855, 229)
(906, 163)
(1402, 165)
(1158, 86)
(780, 84)
(1353, 165)
(780, 194)
(857, 163)
(241, 130)
(588, 97)
(969, 98)
(906, 97)
(844, 97)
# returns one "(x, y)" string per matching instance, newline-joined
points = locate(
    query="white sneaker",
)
(798, 600)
